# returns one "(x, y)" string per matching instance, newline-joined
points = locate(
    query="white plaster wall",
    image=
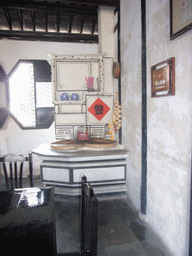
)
(169, 133)
(131, 94)
(12, 138)
(169, 122)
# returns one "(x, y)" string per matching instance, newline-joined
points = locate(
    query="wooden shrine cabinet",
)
(76, 104)
(83, 96)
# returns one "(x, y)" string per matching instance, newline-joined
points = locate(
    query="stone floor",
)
(120, 232)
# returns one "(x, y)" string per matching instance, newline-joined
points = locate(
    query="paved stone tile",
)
(133, 249)
(120, 233)
(116, 234)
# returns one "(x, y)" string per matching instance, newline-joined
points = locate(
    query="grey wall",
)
(169, 122)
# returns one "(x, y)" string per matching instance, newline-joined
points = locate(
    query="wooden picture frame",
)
(163, 78)
(180, 17)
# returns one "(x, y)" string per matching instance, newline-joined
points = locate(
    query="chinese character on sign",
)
(98, 109)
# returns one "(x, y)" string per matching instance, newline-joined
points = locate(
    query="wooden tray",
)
(100, 143)
(66, 144)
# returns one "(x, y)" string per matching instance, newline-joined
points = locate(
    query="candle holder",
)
(89, 81)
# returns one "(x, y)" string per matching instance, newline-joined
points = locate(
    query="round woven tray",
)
(66, 144)
(100, 143)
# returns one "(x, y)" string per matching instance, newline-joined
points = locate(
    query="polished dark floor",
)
(120, 232)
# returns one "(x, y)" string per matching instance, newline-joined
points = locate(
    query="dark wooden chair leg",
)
(21, 176)
(31, 170)
(11, 175)
(15, 171)
(6, 176)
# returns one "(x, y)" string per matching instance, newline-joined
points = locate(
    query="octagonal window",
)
(4, 99)
(30, 92)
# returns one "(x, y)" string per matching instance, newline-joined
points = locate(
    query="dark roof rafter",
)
(45, 36)
(48, 7)
(20, 16)
(52, 20)
(112, 3)
(7, 15)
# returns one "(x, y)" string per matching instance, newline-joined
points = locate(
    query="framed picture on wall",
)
(180, 17)
(163, 78)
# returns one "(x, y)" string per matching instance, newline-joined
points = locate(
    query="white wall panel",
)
(56, 174)
(101, 174)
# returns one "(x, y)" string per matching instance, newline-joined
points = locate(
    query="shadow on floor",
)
(120, 232)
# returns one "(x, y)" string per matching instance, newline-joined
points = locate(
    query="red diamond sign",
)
(98, 109)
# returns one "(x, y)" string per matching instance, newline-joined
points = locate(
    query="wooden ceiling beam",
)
(57, 8)
(33, 20)
(70, 23)
(82, 24)
(111, 3)
(20, 17)
(8, 18)
(46, 36)
(58, 21)
(55, 15)
(46, 21)
(93, 26)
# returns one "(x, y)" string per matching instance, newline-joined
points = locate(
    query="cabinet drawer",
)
(55, 174)
(70, 119)
(70, 108)
(65, 132)
(100, 174)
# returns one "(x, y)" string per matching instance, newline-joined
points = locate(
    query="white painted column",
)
(106, 30)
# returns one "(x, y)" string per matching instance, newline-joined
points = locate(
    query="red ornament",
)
(98, 109)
